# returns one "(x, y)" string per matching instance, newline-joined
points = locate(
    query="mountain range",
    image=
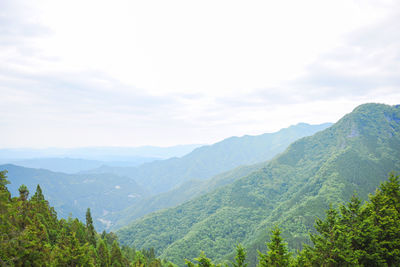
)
(352, 156)
(207, 161)
(115, 195)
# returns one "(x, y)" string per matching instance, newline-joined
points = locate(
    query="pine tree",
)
(91, 235)
(103, 254)
(139, 260)
(38, 196)
(202, 260)
(240, 257)
(381, 228)
(23, 192)
(278, 254)
(116, 255)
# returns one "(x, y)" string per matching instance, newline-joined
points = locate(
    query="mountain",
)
(176, 196)
(207, 161)
(73, 194)
(125, 154)
(353, 155)
(73, 165)
(115, 207)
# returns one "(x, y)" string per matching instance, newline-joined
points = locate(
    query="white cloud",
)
(76, 73)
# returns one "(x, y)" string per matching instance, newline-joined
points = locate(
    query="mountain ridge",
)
(356, 153)
(207, 161)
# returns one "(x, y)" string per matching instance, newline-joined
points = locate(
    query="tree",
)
(38, 196)
(202, 260)
(381, 228)
(240, 257)
(139, 260)
(116, 255)
(366, 235)
(91, 235)
(103, 254)
(5, 196)
(23, 192)
(3, 180)
(278, 254)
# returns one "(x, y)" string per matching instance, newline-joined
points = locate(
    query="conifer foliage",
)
(354, 234)
(31, 235)
(278, 254)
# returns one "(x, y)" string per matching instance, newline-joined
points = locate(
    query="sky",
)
(133, 73)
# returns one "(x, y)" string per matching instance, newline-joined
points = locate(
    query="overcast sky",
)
(133, 73)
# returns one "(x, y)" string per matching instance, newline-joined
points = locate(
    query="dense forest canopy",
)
(32, 235)
(354, 234)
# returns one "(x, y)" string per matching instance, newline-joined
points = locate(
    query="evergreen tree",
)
(278, 254)
(240, 257)
(381, 228)
(116, 255)
(203, 261)
(38, 196)
(91, 234)
(23, 192)
(103, 254)
(31, 234)
(365, 235)
(139, 260)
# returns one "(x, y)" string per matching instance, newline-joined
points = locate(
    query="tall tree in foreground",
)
(90, 232)
(31, 234)
(240, 257)
(366, 235)
(116, 255)
(103, 254)
(278, 254)
(203, 261)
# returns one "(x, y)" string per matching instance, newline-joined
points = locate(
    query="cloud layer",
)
(131, 74)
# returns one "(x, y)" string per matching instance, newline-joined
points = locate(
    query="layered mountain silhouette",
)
(207, 161)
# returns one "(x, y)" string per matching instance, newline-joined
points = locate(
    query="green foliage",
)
(359, 235)
(207, 161)
(74, 193)
(90, 232)
(202, 261)
(103, 254)
(23, 192)
(355, 154)
(31, 235)
(116, 255)
(240, 257)
(277, 254)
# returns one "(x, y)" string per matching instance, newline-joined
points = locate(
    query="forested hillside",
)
(32, 235)
(354, 155)
(207, 161)
(174, 197)
(73, 193)
(354, 234)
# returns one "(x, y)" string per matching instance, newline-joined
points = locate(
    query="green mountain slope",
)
(73, 194)
(176, 196)
(355, 154)
(207, 161)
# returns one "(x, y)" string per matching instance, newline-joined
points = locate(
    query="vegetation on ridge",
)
(354, 234)
(291, 190)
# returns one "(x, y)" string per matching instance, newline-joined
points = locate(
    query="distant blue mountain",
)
(122, 154)
(207, 161)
